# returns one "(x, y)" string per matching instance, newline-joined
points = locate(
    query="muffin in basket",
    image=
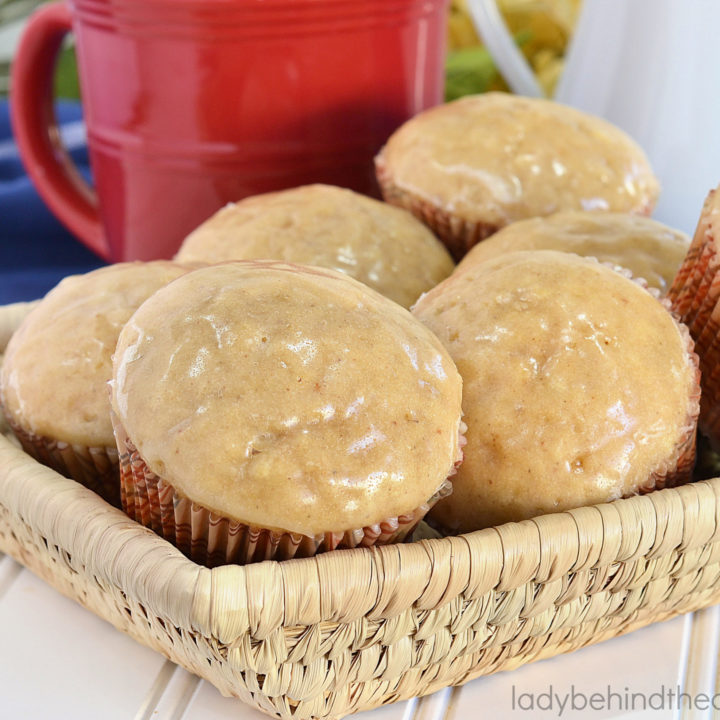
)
(579, 387)
(380, 245)
(267, 410)
(694, 296)
(647, 248)
(472, 166)
(53, 382)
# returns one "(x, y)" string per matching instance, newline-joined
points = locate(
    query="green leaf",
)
(66, 77)
(468, 71)
(471, 70)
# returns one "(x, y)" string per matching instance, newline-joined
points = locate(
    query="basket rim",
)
(269, 595)
(230, 601)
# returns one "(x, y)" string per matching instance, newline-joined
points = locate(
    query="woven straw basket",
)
(350, 630)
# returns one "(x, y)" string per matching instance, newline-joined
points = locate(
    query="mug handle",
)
(509, 60)
(47, 162)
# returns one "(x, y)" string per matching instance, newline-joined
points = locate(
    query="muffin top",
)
(649, 249)
(579, 386)
(55, 372)
(497, 158)
(382, 246)
(292, 398)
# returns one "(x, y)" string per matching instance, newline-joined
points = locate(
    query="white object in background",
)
(9, 39)
(651, 67)
(500, 44)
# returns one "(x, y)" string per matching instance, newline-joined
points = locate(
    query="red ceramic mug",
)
(190, 104)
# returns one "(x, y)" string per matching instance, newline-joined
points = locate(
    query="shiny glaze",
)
(57, 365)
(294, 399)
(497, 158)
(382, 246)
(577, 385)
(191, 104)
(649, 249)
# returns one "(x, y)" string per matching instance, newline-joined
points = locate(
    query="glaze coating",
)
(496, 158)
(287, 397)
(579, 386)
(57, 365)
(380, 245)
(649, 249)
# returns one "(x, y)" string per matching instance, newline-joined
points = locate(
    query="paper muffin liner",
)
(211, 539)
(693, 285)
(94, 467)
(695, 299)
(457, 234)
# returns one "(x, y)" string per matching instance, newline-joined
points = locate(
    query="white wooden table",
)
(58, 661)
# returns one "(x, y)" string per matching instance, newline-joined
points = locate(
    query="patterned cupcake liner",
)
(94, 467)
(695, 299)
(210, 539)
(457, 234)
(693, 285)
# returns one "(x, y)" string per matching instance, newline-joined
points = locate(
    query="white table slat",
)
(435, 706)
(9, 571)
(208, 704)
(178, 693)
(156, 692)
(703, 648)
(60, 661)
(406, 710)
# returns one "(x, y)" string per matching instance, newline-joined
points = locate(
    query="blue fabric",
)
(36, 251)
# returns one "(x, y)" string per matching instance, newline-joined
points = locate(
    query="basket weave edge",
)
(378, 583)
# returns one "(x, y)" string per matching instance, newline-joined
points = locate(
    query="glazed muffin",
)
(380, 245)
(53, 382)
(475, 165)
(694, 296)
(266, 410)
(649, 249)
(579, 387)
